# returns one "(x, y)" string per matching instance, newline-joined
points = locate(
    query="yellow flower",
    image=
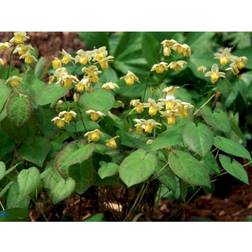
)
(4, 46)
(93, 136)
(19, 38)
(64, 79)
(170, 116)
(240, 62)
(177, 65)
(82, 85)
(60, 72)
(169, 101)
(139, 125)
(92, 72)
(68, 80)
(67, 58)
(215, 74)
(149, 125)
(171, 120)
(183, 108)
(28, 58)
(76, 97)
(68, 116)
(14, 81)
(171, 90)
(167, 46)
(234, 69)
(153, 106)
(56, 63)
(104, 63)
(223, 55)
(138, 106)
(160, 67)
(22, 49)
(201, 69)
(146, 125)
(59, 104)
(130, 78)
(1, 62)
(109, 86)
(100, 53)
(82, 57)
(59, 122)
(182, 49)
(111, 143)
(94, 115)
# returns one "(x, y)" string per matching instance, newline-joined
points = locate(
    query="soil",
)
(232, 201)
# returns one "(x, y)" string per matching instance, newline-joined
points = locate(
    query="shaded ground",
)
(50, 43)
(231, 201)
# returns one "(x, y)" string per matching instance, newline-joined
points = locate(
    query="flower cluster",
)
(168, 107)
(63, 118)
(130, 78)
(18, 44)
(168, 46)
(236, 63)
(224, 55)
(90, 60)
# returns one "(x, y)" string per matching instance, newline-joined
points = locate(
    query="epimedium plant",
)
(80, 123)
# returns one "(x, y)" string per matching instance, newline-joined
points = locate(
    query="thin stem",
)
(13, 168)
(203, 105)
(2, 205)
(10, 62)
(135, 202)
(248, 163)
(82, 119)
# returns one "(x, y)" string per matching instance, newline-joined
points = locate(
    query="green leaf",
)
(107, 169)
(28, 181)
(108, 75)
(100, 100)
(84, 175)
(96, 217)
(137, 167)
(94, 39)
(200, 42)
(211, 164)
(62, 190)
(188, 168)
(167, 178)
(217, 119)
(231, 147)
(234, 168)
(7, 144)
(73, 153)
(40, 68)
(5, 92)
(14, 214)
(2, 169)
(198, 138)
(151, 48)
(19, 109)
(165, 140)
(49, 94)
(15, 199)
(35, 152)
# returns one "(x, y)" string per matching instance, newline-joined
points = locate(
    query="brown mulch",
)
(50, 43)
(232, 205)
